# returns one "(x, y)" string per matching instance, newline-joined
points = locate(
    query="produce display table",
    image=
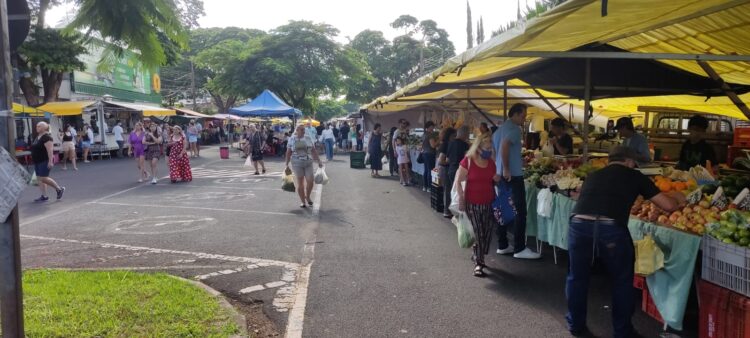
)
(669, 287)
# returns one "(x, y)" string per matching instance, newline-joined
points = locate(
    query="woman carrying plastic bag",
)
(477, 170)
(321, 177)
(301, 153)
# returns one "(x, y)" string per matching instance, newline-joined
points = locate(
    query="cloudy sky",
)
(351, 16)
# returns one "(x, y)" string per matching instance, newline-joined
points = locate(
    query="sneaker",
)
(527, 254)
(60, 192)
(508, 250)
(153, 181)
(42, 199)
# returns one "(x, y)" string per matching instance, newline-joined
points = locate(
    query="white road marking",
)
(298, 294)
(203, 255)
(198, 208)
(252, 289)
(272, 285)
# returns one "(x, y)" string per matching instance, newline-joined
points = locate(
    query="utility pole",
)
(192, 85)
(11, 295)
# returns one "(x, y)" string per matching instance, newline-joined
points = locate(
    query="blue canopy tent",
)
(266, 105)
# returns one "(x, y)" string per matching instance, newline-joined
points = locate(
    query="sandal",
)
(302, 205)
(264, 171)
(309, 202)
(478, 271)
(256, 173)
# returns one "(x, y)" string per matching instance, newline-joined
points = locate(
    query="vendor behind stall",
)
(599, 226)
(633, 140)
(560, 140)
(696, 151)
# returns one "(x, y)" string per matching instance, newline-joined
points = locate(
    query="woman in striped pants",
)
(477, 170)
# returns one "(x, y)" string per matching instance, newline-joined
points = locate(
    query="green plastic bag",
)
(465, 230)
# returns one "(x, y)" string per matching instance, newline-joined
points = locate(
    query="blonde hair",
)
(481, 139)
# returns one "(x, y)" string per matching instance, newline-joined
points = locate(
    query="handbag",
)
(502, 207)
(169, 150)
(420, 158)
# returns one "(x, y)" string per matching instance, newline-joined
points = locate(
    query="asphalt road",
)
(373, 261)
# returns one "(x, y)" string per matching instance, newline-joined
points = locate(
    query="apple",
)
(697, 208)
(673, 218)
(704, 204)
(687, 210)
(678, 213)
(715, 209)
(663, 219)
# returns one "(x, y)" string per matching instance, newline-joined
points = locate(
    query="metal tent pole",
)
(11, 293)
(586, 109)
(505, 100)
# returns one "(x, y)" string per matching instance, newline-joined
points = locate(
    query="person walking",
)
(301, 153)
(345, 137)
(86, 139)
(199, 137)
(328, 140)
(477, 170)
(42, 156)
(599, 224)
(68, 147)
(137, 150)
(117, 130)
(192, 136)
(429, 143)
(375, 149)
(448, 135)
(507, 143)
(152, 141)
(337, 136)
(230, 133)
(179, 162)
(456, 152)
(255, 143)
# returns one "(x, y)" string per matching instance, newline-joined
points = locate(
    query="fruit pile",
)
(732, 228)
(691, 218)
(733, 184)
(666, 184)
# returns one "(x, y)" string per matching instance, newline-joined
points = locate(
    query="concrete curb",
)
(238, 318)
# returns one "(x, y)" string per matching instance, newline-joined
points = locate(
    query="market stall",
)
(716, 212)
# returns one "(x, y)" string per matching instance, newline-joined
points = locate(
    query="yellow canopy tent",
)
(715, 27)
(66, 108)
(314, 122)
(22, 109)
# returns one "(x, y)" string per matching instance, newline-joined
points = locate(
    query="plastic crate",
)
(742, 136)
(726, 265)
(649, 307)
(714, 303)
(436, 198)
(357, 160)
(738, 317)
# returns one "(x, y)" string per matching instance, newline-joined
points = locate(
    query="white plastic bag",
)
(454, 198)
(320, 177)
(385, 160)
(248, 161)
(544, 203)
(33, 180)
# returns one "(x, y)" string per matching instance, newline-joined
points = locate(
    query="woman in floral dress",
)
(179, 163)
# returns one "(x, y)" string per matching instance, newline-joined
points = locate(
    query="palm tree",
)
(134, 24)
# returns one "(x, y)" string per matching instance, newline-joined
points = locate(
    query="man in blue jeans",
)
(507, 143)
(599, 225)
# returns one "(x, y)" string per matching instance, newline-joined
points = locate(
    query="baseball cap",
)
(624, 122)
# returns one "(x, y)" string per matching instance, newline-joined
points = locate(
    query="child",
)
(402, 153)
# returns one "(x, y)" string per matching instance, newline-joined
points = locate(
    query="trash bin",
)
(224, 152)
(357, 160)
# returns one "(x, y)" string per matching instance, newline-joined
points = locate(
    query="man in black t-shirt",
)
(560, 140)
(600, 224)
(696, 151)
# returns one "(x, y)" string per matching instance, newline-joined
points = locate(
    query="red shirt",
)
(480, 188)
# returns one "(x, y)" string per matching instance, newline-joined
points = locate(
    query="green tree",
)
(327, 109)
(53, 54)
(219, 64)
(406, 22)
(134, 24)
(378, 53)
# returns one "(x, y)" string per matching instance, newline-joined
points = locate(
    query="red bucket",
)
(224, 152)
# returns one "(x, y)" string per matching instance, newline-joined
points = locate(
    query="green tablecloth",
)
(669, 287)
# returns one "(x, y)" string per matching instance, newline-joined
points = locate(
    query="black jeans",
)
(519, 225)
(429, 164)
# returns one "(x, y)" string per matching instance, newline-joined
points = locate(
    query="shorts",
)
(86, 144)
(153, 152)
(68, 146)
(303, 169)
(257, 155)
(41, 169)
(192, 139)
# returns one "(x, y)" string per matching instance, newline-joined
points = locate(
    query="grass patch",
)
(119, 304)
